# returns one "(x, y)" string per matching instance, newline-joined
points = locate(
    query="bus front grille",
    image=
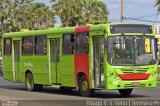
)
(131, 71)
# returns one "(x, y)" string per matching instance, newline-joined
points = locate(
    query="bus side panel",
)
(41, 69)
(67, 71)
(82, 65)
(26, 63)
(38, 65)
(7, 68)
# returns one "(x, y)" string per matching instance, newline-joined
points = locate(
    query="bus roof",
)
(40, 32)
(49, 31)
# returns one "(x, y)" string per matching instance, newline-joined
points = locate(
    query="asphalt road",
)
(16, 95)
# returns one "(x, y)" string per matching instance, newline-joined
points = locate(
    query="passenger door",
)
(55, 59)
(98, 62)
(16, 59)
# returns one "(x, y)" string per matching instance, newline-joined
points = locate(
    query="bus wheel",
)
(30, 83)
(83, 87)
(125, 92)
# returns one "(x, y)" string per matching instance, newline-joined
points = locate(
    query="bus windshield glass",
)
(131, 50)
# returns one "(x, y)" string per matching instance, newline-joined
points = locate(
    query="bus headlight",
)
(112, 75)
(154, 73)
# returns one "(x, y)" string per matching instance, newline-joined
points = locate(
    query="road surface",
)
(16, 94)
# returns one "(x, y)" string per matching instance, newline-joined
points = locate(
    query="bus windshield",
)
(131, 50)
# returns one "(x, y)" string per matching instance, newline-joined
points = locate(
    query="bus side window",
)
(28, 45)
(82, 46)
(41, 45)
(7, 46)
(68, 44)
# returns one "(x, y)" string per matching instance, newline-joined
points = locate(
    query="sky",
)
(136, 9)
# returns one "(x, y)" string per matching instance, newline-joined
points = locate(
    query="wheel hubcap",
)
(29, 82)
(84, 86)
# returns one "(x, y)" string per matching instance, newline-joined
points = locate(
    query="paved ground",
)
(12, 93)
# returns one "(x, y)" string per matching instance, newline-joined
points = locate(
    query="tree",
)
(66, 9)
(20, 14)
(158, 5)
(80, 12)
(5, 13)
(40, 16)
(30, 15)
(95, 11)
(13, 15)
(24, 14)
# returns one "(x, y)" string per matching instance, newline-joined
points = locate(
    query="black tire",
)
(30, 83)
(125, 92)
(83, 87)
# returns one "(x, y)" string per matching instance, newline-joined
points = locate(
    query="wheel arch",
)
(79, 75)
(28, 71)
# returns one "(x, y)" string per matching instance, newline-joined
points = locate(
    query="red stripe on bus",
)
(82, 65)
(82, 29)
(134, 76)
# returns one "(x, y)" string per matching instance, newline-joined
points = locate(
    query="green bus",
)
(113, 56)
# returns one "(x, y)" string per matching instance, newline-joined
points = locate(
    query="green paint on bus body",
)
(43, 69)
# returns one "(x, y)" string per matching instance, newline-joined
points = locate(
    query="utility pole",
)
(122, 11)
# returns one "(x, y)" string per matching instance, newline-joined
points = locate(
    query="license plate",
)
(135, 83)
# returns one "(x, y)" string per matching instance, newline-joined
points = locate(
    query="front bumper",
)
(124, 84)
